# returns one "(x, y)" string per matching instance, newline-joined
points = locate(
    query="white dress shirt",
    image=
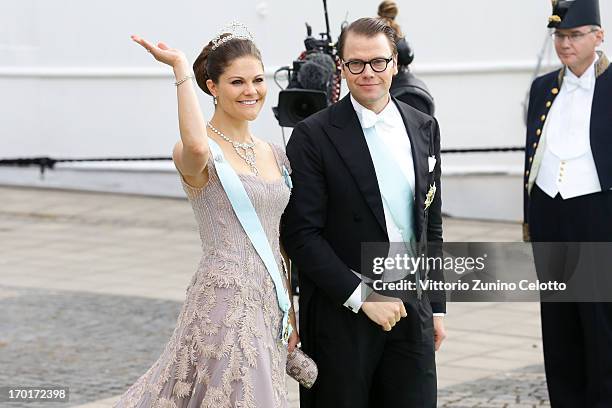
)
(568, 167)
(390, 128)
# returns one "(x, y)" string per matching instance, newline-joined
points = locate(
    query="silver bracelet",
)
(177, 83)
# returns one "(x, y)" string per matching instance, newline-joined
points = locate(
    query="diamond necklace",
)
(245, 150)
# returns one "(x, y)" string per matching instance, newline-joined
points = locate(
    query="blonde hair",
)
(387, 10)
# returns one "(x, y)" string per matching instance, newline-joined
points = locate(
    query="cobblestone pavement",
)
(91, 286)
(98, 345)
(517, 389)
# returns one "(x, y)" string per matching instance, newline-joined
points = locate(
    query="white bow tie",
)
(370, 119)
(574, 83)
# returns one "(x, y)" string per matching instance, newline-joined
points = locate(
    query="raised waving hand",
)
(162, 52)
(191, 153)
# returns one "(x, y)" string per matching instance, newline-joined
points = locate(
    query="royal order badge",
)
(430, 195)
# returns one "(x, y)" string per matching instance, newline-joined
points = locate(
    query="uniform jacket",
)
(542, 96)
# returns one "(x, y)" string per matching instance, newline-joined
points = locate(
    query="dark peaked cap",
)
(574, 13)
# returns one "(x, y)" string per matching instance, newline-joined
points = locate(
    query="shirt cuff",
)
(439, 314)
(355, 301)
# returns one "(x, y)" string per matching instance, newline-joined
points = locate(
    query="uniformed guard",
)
(568, 197)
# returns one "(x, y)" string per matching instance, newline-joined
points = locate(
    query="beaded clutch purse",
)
(302, 368)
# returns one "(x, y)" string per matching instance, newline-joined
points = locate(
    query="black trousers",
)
(362, 366)
(577, 337)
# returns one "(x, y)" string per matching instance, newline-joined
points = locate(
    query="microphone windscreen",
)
(313, 76)
(322, 59)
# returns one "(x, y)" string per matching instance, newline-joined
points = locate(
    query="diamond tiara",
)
(233, 30)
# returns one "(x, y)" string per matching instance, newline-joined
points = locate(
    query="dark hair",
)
(369, 27)
(210, 64)
(388, 10)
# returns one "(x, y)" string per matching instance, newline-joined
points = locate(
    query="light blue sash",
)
(395, 190)
(243, 208)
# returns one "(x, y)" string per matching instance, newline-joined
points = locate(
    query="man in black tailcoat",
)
(372, 351)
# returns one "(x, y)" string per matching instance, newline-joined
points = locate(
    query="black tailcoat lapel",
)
(421, 142)
(347, 136)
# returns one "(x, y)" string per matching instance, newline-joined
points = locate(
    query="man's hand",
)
(439, 331)
(383, 310)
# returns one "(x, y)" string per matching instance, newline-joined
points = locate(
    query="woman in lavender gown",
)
(225, 350)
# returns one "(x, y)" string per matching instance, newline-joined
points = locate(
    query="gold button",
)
(527, 173)
(563, 162)
(538, 132)
(527, 186)
(535, 145)
(530, 159)
(555, 91)
(548, 104)
(543, 118)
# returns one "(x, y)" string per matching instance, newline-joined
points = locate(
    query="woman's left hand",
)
(294, 339)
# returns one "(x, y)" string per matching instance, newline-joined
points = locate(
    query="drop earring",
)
(215, 100)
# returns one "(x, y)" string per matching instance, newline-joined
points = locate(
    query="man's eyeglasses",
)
(572, 37)
(356, 67)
